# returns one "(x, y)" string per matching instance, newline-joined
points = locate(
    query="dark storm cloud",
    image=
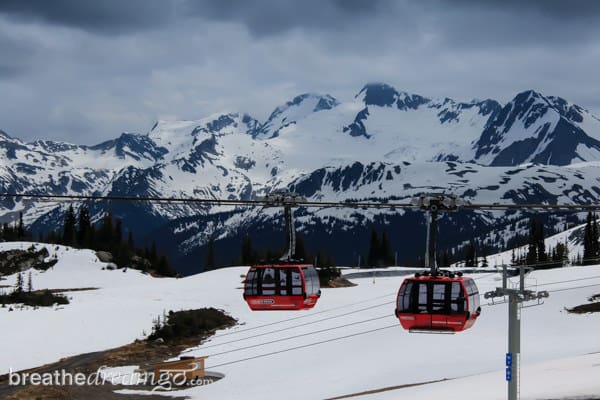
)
(269, 17)
(122, 64)
(110, 16)
(559, 9)
(460, 23)
(261, 17)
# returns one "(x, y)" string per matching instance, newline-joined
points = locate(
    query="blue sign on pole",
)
(508, 374)
(509, 359)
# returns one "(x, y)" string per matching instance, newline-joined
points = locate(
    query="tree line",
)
(107, 235)
(15, 232)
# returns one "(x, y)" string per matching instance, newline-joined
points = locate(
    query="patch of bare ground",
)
(339, 282)
(72, 290)
(593, 306)
(142, 353)
(385, 389)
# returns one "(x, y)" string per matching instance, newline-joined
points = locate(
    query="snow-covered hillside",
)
(365, 347)
(381, 144)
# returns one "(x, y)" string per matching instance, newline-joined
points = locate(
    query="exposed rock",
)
(105, 256)
(13, 261)
(140, 263)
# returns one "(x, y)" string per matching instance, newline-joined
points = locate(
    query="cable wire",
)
(573, 288)
(300, 203)
(305, 346)
(300, 316)
(570, 280)
(298, 326)
(301, 335)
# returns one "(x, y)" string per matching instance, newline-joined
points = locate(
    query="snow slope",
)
(125, 303)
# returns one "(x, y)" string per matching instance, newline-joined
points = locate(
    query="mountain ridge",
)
(382, 144)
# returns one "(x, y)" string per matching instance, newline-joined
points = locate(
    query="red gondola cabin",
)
(437, 304)
(282, 287)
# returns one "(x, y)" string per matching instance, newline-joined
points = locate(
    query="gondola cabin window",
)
(312, 280)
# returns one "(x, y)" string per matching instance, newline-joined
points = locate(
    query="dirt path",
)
(140, 353)
(385, 389)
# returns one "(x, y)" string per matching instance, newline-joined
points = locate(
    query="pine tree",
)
(374, 248)
(247, 251)
(484, 262)
(588, 239)
(445, 259)
(118, 235)
(106, 231)
(470, 255)
(84, 227)
(164, 267)
(19, 286)
(319, 261)
(300, 248)
(69, 227)
(385, 254)
(153, 254)
(210, 257)
(532, 255)
(29, 282)
(6, 231)
(565, 257)
(594, 237)
(21, 227)
(540, 243)
(130, 241)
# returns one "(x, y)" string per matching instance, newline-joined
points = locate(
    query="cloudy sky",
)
(84, 71)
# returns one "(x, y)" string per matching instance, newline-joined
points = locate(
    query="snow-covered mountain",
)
(381, 144)
(534, 128)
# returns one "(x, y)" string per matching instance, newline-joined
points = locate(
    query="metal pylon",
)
(516, 298)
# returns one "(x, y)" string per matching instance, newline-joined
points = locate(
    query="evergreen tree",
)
(69, 227)
(540, 243)
(532, 256)
(118, 235)
(6, 231)
(84, 227)
(565, 254)
(122, 254)
(153, 254)
(21, 227)
(484, 262)
(247, 252)
(29, 282)
(130, 240)
(105, 233)
(19, 287)
(470, 257)
(374, 248)
(210, 257)
(164, 267)
(589, 239)
(445, 259)
(385, 253)
(594, 237)
(300, 248)
(319, 260)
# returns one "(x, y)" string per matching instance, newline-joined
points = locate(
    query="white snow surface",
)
(560, 352)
